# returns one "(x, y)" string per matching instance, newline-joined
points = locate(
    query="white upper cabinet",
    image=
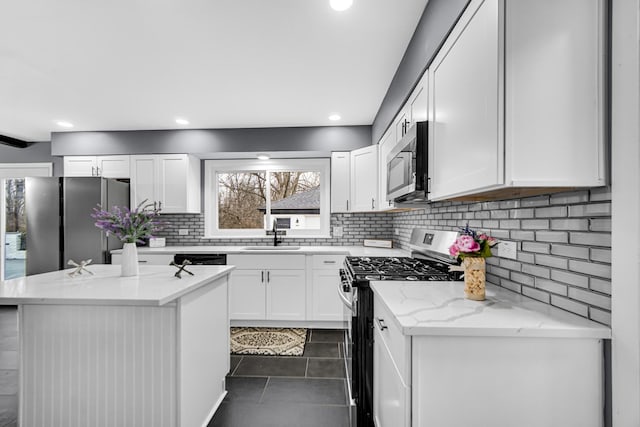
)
(517, 101)
(364, 179)
(172, 181)
(104, 166)
(340, 181)
(384, 147)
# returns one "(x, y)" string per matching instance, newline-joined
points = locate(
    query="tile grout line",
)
(264, 390)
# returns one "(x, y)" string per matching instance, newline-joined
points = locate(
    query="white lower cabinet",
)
(267, 287)
(391, 371)
(392, 397)
(325, 278)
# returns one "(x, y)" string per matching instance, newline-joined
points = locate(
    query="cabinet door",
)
(80, 166)
(113, 166)
(418, 102)
(247, 294)
(400, 124)
(326, 304)
(384, 147)
(172, 180)
(340, 187)
(391, 398)
(286, 294)
(143, 180)
(466, 138)
(364, 178)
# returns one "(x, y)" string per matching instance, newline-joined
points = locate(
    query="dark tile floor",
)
(288, 391)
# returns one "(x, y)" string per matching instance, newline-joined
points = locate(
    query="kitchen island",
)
(104, 350)
(441, 359)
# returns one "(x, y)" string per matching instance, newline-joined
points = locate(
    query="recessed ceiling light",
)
(263, 156)
(182, 121)
(340, 5)
(334, 117)
(64, 124)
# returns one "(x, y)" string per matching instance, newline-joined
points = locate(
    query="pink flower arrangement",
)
(472, 244)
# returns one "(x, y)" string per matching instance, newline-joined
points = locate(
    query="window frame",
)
(213, 167)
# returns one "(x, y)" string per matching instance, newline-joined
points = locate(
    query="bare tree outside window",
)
(242, 196)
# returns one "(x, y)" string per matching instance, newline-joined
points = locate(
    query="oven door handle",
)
(344, 299)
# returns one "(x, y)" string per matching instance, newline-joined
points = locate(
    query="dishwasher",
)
(201, 259)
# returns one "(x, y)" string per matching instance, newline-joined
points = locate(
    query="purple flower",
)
(130, 226)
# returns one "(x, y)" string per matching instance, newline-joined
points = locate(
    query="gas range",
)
(429, 261)
(396, 268)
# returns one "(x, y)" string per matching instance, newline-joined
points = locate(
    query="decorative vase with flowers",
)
(131, 227)
(471, 248)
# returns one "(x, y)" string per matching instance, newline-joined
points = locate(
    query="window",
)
(245, 197)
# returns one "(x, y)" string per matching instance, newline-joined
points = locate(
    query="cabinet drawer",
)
(259, 262)
(146, 259)
(328, 261)
(398, 344)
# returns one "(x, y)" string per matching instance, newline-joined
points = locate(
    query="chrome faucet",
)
(275, 233)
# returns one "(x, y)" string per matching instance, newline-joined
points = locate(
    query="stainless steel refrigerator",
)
(59, 223)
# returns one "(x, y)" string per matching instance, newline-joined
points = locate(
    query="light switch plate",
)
(183, 232)
(508, 249)
(338, 231)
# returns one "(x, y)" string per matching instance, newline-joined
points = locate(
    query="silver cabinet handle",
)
(262, 278)
(93, 171)
(268, 276)
(155, 206)
(373, 203)
(159, 205)
(347, 204)
(381, 324)
(97, 171)
(142, 261)
(329, 262)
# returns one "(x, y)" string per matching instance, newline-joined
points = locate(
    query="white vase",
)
(129, 260)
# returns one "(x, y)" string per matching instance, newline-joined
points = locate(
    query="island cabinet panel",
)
(98, 366)
(507, 381)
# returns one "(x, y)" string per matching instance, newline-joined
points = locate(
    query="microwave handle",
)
(428, 184)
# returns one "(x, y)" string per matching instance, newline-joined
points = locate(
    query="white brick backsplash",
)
(563, 239)
(552, 236)
(570, 305)
(551, 212)
(535, 224)
(551, 286)
(570, 251)
(536, 294)
(594, 209)
(570, 278)
(591, 298)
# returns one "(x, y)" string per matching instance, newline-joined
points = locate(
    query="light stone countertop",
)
(155, 286)
(439, 308)
(306, 250)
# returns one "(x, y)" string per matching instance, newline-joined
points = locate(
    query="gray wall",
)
(316, 139)
(36, 152)
(435, 24)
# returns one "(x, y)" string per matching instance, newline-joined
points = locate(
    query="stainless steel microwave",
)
(407, 175)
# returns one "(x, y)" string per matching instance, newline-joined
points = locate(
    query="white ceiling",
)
(139, 64)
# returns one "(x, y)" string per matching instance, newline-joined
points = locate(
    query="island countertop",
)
(155, 286)
(439, 308)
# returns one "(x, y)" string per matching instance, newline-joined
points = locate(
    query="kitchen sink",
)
(271, 248)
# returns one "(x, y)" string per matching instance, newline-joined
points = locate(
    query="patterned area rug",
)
(269, 341)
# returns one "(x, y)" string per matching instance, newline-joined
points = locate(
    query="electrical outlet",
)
(183, 232)
(338, 231)
(396, 231)
(508, 249)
